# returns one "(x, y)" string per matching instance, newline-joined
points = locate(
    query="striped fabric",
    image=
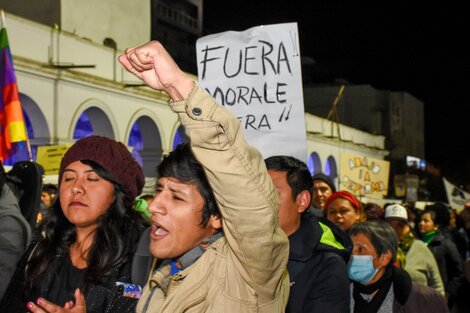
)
(12, 123)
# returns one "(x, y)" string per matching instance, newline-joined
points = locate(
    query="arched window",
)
(331, 168)
(180, 137)
(135, 141)
(145, 140)
(93, 121)
(83, 128)
(314, 163)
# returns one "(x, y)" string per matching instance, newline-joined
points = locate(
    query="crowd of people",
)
(229, 231)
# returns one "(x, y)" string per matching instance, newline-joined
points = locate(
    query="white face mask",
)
(361, 269)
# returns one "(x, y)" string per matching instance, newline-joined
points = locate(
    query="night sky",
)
(393, 45)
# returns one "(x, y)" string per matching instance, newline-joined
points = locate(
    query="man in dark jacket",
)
(318, 249)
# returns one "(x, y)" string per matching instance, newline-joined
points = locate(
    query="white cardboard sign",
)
(257, 74)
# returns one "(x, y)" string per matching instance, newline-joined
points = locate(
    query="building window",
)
(83, 128)
(135, 141)
(180, 137)
(314, 163)
(331, 168)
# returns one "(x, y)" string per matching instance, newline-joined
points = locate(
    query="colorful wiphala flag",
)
(13, 135)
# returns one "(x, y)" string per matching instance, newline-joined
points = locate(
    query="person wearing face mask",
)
(377, 285)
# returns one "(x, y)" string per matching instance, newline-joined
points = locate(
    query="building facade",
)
(71, 87)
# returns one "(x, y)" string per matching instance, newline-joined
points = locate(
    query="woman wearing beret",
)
(89, 240)
(343, 209)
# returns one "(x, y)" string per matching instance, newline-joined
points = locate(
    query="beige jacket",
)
(422, 266)
(244, 271)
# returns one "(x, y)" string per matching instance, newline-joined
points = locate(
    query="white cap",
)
(396, 211)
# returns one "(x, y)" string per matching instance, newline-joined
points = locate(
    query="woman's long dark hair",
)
(113, 244)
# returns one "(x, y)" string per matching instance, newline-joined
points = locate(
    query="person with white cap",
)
(413, 255)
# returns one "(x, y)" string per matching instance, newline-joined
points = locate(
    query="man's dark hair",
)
(297, 173)
(51, 189)
(183, 165)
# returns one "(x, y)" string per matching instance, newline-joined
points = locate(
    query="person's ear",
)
(215, 221)
(385, 258)
(303, 201)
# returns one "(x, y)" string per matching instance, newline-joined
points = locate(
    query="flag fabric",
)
(13, 135)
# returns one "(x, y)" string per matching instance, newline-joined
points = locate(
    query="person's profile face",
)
(399, 227)
(46, 199)
(363, 246)
(176, 219)
(321, 193)
(290, 210)
(426, 224)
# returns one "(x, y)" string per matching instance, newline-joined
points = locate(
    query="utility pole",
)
(333, 114)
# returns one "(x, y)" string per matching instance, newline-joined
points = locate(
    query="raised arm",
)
(236, 171)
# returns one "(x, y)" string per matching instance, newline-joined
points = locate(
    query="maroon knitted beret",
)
(113, 156)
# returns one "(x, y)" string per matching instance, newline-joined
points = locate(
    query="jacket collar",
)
(195, 253)
(305, 239)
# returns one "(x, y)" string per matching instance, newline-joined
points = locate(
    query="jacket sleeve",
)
(454, 269)
(12, 246)
(15, 234)
(242, 187)
(331, 291)
(434, 276)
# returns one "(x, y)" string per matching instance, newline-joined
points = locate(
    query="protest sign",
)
(256, 74)
(364, 176)
(50, 157)
(456, 197)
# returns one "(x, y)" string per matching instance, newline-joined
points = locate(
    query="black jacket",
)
(318, 272)
(449, 261)
(107, 297)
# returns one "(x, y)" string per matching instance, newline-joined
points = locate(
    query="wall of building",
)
(396, 115)
(46, 12)
(56, 97)
(127, 22)
(406, 126)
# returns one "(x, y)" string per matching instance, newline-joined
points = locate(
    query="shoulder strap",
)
(142, 259)
(30, 256)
